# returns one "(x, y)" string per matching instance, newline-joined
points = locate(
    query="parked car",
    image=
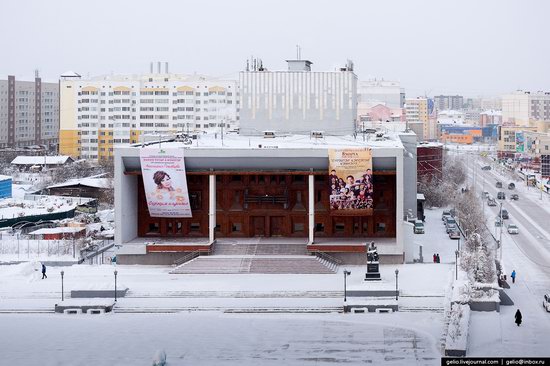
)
(501, 196)
(450, 221)
(504, 214)
(454, 234)
(514, 197)
(450, 228)
(485, 194)
(445, 213)
(418, 227)
(486, 167)
(491, 202)
(499, 184)
(546, 302)
(513, 229)
(511, 186)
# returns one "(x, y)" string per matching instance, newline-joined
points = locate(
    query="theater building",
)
(274, 190)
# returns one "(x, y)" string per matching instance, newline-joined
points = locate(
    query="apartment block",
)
(102, 112)
(523, 108)
(29, 113)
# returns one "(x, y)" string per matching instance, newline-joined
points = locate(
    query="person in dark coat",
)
(518, 317)
(435, 258)
(44, 271)
(438, 260)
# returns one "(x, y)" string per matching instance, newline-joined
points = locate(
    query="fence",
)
(29, 249)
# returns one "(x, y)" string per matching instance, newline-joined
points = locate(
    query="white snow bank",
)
(457, 335)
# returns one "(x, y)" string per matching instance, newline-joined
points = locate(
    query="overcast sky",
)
(471, 47)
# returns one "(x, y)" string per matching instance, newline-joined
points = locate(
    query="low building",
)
(59, 233)
(93, 187)
(489, 117)
(5, 186)
(275, 188)
(40, 162)
(429, 160)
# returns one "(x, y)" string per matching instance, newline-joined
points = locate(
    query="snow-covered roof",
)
(429, 144)
(282, 141)
(70, 74)
(492, 113)
(87, 182)
(58, 230)
(4, 177)
(41, 160)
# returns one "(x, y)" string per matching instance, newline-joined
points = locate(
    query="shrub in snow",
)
(457, 334)
(159, 359)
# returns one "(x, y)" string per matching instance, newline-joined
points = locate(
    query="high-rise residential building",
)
(416, 110)
(29, 113)
(101, 112)
(385, 92)
(523, 108)
(298, 100)
(490, 117)
(446, 102)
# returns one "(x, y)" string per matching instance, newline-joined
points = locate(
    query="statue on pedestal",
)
(373, 271)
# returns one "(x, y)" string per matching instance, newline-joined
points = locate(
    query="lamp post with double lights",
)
(116, 273)
(62, 292)
(346, 274)
(396, 285)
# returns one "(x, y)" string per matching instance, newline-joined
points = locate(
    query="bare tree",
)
(454, 170)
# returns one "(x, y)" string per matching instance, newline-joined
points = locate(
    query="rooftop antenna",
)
(298, 52)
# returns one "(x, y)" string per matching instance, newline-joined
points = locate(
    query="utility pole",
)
(500, 237)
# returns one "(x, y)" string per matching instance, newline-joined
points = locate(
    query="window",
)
(236, 227)
(195, 226)
(298, 227)
(381, 227)
(153, 227)
(297, 178)
(195, 200)
(339, 227)
(319, 227)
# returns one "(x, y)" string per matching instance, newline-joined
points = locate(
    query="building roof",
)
(86, 182)
(70, 74)
(233, 141)
(5, 177)
(40, 160)
(58, 230)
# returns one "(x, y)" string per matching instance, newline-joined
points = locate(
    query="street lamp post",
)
(500, 236)
(62, 292)
(456, 264)
(346, 273)
(116, 272)
(396, 285)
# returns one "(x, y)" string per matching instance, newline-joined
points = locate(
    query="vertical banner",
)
(350, 182)
(520, 141)
(165, 183)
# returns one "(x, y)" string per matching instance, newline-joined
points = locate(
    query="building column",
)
(311, 212)
(211, 207)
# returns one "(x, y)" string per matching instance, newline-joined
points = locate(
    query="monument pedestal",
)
(373, 273)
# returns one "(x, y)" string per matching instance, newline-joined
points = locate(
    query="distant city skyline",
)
(469, 48)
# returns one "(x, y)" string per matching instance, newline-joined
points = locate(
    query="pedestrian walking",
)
(435, 258)
(438, 260)
(518, 317)
(513, 275)
(44, 271)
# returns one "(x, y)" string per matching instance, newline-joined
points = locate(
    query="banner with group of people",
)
(350, 182)
(165, 183)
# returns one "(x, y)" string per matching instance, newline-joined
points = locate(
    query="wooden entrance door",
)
(276, 225)
(258, 225)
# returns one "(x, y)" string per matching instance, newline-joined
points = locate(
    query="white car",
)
(546, 303)
(513, 229)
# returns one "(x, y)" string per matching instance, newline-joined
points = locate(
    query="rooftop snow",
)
(88, 182)
(40, 160)
(58, 230)
(4, 177)
(232, 141)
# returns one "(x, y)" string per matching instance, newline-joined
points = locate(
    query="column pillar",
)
(211, 208)
(311, 211)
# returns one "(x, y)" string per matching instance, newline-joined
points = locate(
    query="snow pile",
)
(159, 359)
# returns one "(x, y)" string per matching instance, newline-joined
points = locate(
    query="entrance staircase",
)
(260, 258)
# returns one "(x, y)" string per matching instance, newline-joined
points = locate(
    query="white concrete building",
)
(101, 112)
(298, 100)
(379, 91)
(522, 108)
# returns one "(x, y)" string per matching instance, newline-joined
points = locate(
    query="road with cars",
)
(532, 220)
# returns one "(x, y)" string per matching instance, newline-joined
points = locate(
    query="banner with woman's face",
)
(165, 183)
(350, 182)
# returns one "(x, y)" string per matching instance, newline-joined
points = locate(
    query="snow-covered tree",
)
(454, 170)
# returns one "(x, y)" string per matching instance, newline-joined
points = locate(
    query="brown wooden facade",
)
(271, 205)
